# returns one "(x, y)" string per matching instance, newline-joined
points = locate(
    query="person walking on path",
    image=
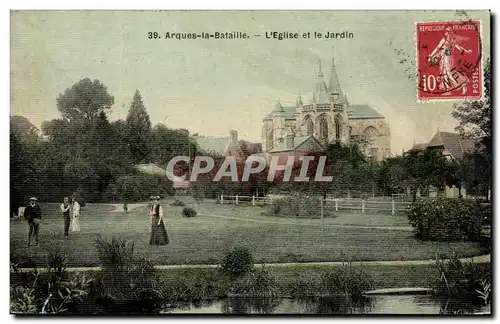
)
(33, 214)
(75, 222)
(66, 211)
(159, 234)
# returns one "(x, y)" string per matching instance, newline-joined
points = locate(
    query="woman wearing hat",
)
(159, 234)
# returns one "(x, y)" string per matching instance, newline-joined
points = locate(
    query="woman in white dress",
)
(75, 221)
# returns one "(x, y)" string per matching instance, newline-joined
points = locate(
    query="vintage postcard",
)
(250, 162)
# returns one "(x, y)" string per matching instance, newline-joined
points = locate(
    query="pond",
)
(388, 304)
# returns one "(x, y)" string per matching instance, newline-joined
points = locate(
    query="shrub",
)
(297, 206)
(349, 280)
(128, 284)
(237, 262)
(258, 283)
(446, 219)
(52, 292)
(305, 285)
(178, 202)
(463, 280)
(188, 212)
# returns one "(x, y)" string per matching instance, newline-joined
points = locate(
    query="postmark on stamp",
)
(449, 61)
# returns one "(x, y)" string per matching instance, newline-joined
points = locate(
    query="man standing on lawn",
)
(66, 210)
(33, 214)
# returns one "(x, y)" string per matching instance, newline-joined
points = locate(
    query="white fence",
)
(363, 205)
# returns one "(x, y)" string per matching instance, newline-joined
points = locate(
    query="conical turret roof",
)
(334, 84)
(320, 91)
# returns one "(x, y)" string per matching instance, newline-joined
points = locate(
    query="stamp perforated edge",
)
(481, 65)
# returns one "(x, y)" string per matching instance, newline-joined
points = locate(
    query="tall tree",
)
(84, 101)
(474, 117)
(475, 122)
(138, 129)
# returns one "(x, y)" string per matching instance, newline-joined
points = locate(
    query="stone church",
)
(326, 118)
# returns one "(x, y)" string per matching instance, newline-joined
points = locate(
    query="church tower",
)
(339, 107)
(324, 117)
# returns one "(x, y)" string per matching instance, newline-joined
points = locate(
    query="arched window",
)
(338, 130)
(309, 127)
(370, 133)
(323, 128)
(270, 140)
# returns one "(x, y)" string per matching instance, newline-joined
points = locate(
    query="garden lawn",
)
(218, 228)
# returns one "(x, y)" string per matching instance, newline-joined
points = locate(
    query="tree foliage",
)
(83, 154)
(84, 101)
(474, 117)
(138, 129)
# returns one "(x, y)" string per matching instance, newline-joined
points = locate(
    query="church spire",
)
(320, 72)
(334, 84)
(320, 91)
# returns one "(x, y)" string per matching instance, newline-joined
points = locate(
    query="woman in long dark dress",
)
(159, 234)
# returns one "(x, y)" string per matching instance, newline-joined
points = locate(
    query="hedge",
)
(446, 219)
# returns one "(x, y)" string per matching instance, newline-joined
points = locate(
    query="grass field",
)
(218, 228)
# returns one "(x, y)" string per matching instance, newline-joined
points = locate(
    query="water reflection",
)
(389, 304)
(239, 305)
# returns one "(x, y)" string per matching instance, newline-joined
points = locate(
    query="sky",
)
(212, 86)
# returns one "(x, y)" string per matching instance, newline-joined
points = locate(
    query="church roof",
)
(278, 107)
(287, 112)
(362, 112)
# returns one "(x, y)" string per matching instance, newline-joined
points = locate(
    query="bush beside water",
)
(463, 280)
(446, 219)
(237, 262)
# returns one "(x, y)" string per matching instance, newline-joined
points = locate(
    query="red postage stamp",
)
(449, 60)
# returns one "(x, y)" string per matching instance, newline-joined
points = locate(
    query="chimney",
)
(233, 134)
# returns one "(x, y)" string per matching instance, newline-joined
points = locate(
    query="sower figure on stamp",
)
(443, 55)
(75, 223)
(33, 214)
(66, 211)
(159, 234)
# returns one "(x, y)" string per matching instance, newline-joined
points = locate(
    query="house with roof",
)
(326, 118)
(220, 146)
(453, 146)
